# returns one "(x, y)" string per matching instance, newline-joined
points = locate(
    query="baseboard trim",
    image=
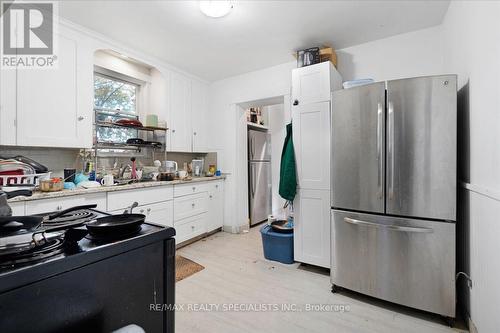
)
(235, 229)
(472, 327)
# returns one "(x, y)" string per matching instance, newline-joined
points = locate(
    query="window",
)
(112, 95)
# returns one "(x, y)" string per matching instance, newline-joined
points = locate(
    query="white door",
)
(180, 113)
(215, 206)
(312, 227)
(199, 112)
(7, 106)
(311, 84)
(311, 139)
(54, 106)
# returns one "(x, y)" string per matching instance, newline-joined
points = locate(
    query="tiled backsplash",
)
(57, 159)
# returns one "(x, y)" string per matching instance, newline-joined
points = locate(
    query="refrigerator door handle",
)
(387, 226)
(379, 150)
(390, 146)
(252, 183)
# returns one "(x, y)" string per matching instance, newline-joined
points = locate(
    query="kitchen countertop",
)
(38, 195)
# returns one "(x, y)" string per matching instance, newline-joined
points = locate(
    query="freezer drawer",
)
(405, 261)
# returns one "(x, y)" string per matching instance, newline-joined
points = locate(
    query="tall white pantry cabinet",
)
(311, 113)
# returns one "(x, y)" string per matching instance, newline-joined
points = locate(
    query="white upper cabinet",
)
(311, 139)
(8, 107)
(314, 83)
(54, 105)
(199, 112)
(180, 113)
(188, 115)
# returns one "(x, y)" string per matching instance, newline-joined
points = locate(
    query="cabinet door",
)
(190, 227)
(54, 105)
(311, 84)
(215, 206)
(312, 227)
(159, 213)
(180, 113)
(199, 115)
(7, 106)
(311, 139)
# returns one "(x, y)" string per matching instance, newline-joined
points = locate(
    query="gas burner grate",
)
(83, 215)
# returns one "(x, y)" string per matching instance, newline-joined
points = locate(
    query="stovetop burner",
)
(50, 249)
(84, 215)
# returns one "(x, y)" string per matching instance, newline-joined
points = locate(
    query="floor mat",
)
(185, 268)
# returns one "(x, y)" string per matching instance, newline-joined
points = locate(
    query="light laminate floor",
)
(237, 275)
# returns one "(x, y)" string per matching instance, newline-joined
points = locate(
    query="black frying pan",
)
(117, 224)
(10, 224)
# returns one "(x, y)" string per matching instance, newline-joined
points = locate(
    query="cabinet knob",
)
(173, 131)
(192, 204)
(210, 196)
(296, 102)
(59, 208)
(216, 186)
(194, 188)
(80, 118)
(192, 227)
(141, 211)
(194, 133)
(148, 210)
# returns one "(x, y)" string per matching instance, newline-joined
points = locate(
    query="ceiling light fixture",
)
(216, 8)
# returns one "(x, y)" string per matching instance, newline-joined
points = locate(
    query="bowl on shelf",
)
(129, 122)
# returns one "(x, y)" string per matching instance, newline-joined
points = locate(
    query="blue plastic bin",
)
(277, 246)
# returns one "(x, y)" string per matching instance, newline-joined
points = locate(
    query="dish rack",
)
(30, 179)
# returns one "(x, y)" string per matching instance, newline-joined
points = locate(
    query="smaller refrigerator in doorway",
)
(259, 176)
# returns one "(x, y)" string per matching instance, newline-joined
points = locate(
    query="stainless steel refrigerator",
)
(259, 175)
(394, 177)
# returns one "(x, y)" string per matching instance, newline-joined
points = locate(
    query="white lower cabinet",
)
(190, 227)
(312, 227)
(159, 213)
(215, 219)
(190, 205)
(55, 204)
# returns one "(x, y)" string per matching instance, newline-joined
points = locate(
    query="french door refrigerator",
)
(394, 191)
(259, 176)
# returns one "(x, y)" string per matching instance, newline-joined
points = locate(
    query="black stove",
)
(113, 279)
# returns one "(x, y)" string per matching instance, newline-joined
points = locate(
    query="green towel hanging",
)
(288, 173)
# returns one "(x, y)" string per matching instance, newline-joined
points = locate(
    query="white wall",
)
(416, 53)
(412, 54)
(471, 35)
(278, 119)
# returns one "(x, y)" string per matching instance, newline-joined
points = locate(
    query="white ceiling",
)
(255, 35)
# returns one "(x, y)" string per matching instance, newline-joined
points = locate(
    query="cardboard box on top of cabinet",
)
(315, 55)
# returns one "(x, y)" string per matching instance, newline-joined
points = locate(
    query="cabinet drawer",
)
(190, 205)
(186, 189)
(143, 196)
(52, 205)
(190, 227)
